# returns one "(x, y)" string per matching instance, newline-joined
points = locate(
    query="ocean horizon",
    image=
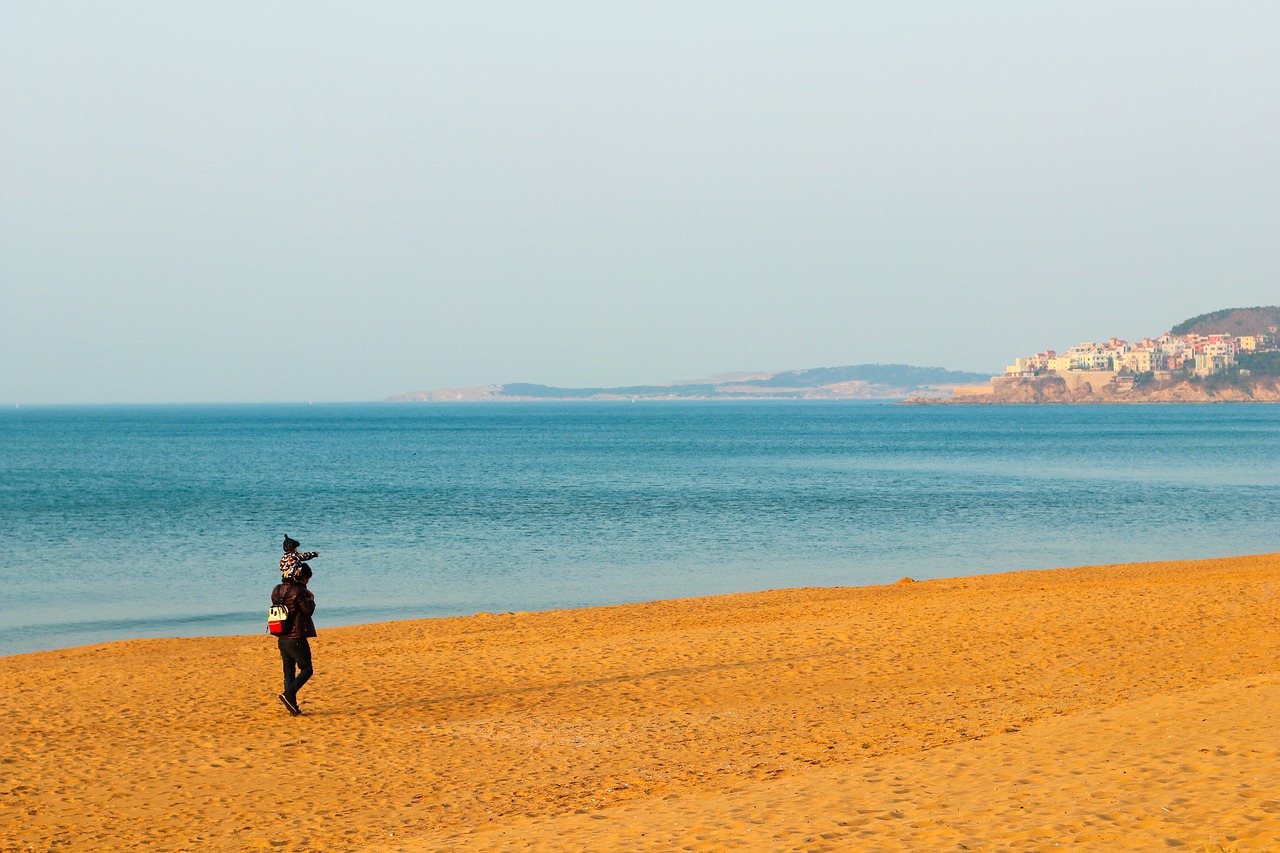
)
(123, 521)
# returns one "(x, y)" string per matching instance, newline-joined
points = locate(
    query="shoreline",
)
(881, 716)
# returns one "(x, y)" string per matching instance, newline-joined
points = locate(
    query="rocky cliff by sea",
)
(1054, 389)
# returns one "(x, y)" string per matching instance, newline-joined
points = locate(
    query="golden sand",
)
(1115, 707)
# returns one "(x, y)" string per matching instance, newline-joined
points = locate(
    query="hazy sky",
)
(340, 201)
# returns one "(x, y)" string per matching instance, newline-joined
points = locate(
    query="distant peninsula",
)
(853, 382)
(1231, 355)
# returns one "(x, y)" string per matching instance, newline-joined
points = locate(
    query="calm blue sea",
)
(121, 522)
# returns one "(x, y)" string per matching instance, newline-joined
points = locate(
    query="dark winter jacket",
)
(301, 604)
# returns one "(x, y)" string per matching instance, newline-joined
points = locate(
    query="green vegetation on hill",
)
(1259, 363)
(1232, 321)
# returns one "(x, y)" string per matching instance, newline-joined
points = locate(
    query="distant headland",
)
(853, 382)
(1230, 355)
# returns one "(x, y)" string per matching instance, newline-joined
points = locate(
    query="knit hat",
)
(290, 543)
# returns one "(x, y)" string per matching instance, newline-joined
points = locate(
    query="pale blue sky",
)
(340, 201)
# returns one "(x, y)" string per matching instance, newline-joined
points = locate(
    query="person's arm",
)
(308, 555)
(304, 601)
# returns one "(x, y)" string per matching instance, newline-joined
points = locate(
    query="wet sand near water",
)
(1113, 707)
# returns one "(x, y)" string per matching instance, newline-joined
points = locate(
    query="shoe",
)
(290, 704)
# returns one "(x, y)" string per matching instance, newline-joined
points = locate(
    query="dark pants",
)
(296, 655)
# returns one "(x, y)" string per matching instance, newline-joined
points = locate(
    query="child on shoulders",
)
(293, 560)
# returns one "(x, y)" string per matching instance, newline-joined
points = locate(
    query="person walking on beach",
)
(292, 561)
(295, 651)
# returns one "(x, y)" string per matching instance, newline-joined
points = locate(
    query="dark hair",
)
(304, 572)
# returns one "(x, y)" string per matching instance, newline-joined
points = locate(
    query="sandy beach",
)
(1113, 707)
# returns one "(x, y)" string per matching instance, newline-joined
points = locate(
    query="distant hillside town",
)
(1191, 361)
(1198, 355)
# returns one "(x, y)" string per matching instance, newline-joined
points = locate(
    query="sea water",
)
(120, 522)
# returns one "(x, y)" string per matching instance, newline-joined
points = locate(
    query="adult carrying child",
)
(295, 630)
